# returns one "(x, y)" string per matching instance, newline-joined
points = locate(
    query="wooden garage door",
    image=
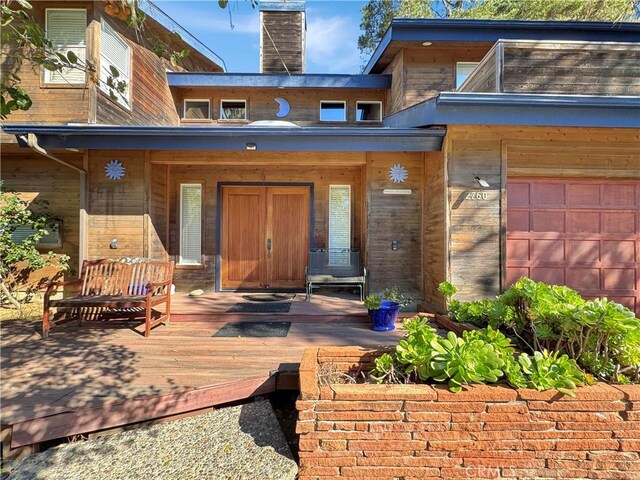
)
(576, 232)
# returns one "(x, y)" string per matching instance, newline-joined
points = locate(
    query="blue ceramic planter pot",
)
(384, 318)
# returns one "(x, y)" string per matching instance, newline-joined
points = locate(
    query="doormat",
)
(254, 329)
(260, 307)
(269, 297)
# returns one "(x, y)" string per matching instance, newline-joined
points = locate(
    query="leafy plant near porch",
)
(479, 356)
(601, 335)
(14, 213)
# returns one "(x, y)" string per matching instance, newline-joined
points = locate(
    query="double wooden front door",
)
(265, 236)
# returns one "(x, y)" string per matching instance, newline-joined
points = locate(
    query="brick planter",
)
(419, 431)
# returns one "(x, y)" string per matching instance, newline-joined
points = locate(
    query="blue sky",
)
(333, 27)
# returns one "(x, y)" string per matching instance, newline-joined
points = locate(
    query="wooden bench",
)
(335, 268)
(115, 287)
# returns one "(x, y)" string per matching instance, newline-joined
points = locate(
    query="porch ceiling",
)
(332, 139)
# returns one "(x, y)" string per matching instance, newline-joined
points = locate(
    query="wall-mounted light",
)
(483, 183)
(251, 146)
(426, 44)
(113, 245)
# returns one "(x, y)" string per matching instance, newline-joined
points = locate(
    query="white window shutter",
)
(114, 52)
(67, 30)
(339, 224)
(190, 224)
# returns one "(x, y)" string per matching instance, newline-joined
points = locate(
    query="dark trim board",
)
(490, 31)
(302, 139)
(218, 265)
(462, 108)
(275, 80)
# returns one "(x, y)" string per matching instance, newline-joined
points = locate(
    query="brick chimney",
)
(283, 32)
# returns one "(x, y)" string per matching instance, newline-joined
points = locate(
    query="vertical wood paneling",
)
(210, 175)
(282, 42)
(434, 228)
(116, 207)
(395, 95)
(158, 213)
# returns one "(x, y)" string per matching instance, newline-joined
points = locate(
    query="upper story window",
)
(463, 70)
(367, 111)
(333, 111)
(66, 28)
(197, 109)
(233, 109)
(114, 54)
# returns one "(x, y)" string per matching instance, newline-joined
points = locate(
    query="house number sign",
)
(477, 196)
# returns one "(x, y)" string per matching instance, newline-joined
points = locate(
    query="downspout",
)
(32, 141)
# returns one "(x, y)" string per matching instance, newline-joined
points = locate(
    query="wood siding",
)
(429, 71)
(305, 104)
(395, 95)
(588, 68)
(116, 208)
(158, 195)
(209, 176)
(477, 228)
(37, 178)
(60, 103)
(282, 42)
(394, 217)
(484, 76)
(434, 229)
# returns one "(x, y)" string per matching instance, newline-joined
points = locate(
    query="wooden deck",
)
(98, 376)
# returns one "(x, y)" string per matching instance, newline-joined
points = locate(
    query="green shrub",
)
(479, 356)
(600, 335)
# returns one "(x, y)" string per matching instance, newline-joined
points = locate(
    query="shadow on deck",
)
(95, 377)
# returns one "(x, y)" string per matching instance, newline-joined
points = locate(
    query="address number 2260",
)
(477, 196)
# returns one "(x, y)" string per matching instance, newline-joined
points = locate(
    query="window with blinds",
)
(190, 224)
(339, 224)
(66, 28)
(114, 52)
(51, 239)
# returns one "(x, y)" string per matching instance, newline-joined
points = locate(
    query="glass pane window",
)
(339, 224)
(368, 111)
(190, 224)
(463, 70)
(66, 28)
(114, 53)
(197, 110)
(331, 111)
(233, 110)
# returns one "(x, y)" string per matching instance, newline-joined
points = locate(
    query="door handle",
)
(268, 244)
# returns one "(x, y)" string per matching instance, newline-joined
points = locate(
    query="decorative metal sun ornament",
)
(397, 173)
(114, 170)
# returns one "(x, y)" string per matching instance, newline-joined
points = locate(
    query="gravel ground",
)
(236, 443)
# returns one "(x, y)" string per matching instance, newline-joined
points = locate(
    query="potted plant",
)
(383, 309)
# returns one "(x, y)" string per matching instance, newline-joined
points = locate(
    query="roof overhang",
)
(274, 80)
(464, 108)
(490, 31)
(327, 139)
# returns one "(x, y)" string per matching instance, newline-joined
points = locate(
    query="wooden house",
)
(469, 151)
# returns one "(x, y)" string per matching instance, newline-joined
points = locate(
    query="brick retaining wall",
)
(420, 431)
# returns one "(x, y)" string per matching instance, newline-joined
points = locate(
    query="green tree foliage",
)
(377, 14)
(15, 213)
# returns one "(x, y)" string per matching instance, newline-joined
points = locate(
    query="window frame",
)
(344, 104)
(349, 226)
(458, 64)
(246, 110)
(180, 262)
(370, 102)
(105, 90)
(46, 76)
(184, 109)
